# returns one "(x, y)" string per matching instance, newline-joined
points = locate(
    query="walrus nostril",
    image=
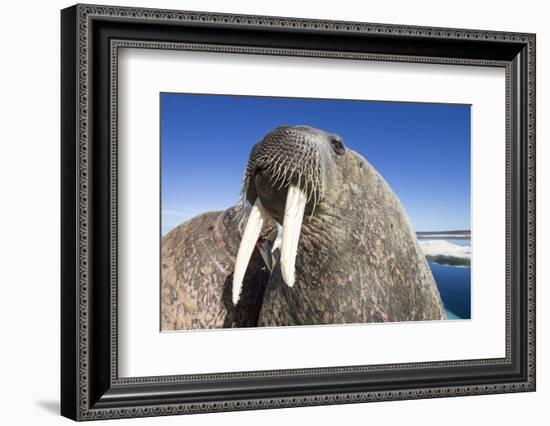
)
(259, 170)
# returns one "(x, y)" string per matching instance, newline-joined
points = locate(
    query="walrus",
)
(197, 265)
(348, 252)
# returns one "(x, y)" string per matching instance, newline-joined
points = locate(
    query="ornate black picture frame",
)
(90, 38)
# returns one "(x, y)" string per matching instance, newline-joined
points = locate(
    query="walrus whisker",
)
(282, 170)
(281, 176)
(285, 180)
(313, 208)
(299, 177)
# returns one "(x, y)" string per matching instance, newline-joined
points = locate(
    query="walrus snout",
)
(288, 155)
(285, 179)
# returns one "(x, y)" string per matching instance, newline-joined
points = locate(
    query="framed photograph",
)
(263, 212)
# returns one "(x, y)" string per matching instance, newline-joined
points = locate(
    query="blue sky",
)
(422, 150)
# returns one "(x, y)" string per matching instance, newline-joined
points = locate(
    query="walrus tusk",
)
(296, 200)
(251, 234)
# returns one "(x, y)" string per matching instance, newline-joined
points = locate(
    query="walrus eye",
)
(338, 146)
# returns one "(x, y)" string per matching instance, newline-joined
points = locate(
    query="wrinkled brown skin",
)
(197, 264)
(358, 258)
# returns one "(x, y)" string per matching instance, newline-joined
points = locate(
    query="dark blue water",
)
(454, 286)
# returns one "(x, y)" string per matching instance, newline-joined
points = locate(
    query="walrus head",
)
(348, 250)
(286, 179)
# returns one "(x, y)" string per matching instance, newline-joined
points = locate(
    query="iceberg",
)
(446, 253)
